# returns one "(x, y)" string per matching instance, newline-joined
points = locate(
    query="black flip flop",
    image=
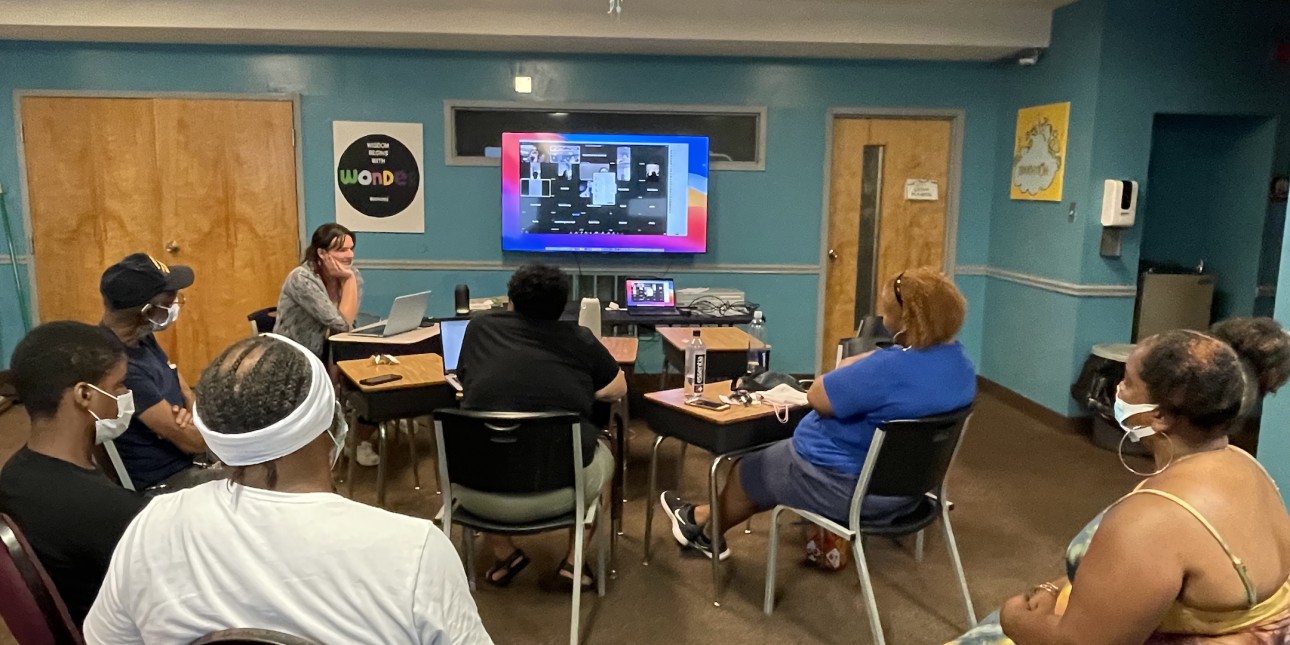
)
(566, 572)
(512, 565)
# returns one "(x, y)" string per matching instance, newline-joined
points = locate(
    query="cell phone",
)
(708, 405)
(384, 378)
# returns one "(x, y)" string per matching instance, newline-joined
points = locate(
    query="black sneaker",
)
(686, 532)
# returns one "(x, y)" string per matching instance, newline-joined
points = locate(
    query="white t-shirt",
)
(316, 565)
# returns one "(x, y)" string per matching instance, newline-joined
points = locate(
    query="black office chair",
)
(263, 320)
(907, 458)
(870, 335)
(29, 603)
(246, 636)
(517, 453)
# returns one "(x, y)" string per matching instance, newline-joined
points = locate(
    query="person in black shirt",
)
(141, 296)
(528, 360)
(70, 378)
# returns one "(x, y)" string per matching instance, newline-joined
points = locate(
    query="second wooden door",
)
(878, 228)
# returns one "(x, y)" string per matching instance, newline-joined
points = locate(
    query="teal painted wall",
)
(1274, 440)
(1196, 57)
(1209, 199)
(770, 217)
(1028, 332)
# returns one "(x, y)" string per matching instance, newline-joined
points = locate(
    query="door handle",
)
(833, 255)
(172, 247)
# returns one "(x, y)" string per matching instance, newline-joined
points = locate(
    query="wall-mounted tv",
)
(604, 193)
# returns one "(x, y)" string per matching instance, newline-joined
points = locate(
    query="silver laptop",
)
(452, 333)
(405, 315)
(651, 297)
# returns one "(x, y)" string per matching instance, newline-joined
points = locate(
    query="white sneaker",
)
(366, 456)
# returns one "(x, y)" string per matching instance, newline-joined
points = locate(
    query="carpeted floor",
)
(1021, 491)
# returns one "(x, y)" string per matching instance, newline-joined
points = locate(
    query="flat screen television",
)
(604, 193)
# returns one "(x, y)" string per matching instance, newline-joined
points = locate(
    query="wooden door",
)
(91, 184)
(909, 232)
(228, 210)
(209, 183)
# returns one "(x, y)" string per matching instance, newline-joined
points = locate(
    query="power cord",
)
(716, 307)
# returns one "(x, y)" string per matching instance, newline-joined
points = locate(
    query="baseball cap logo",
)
(161, 266)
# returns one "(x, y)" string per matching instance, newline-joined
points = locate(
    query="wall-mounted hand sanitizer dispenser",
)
(1119, 203)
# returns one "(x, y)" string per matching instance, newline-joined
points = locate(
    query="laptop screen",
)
(651, 293)
(452, 332)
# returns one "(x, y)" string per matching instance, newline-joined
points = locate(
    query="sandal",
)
(510, 567)
(588, 579)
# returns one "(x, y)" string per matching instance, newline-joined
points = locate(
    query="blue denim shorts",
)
(779, 475)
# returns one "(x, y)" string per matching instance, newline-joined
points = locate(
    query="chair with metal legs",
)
(384, 431)
(519, 453)
(907, 458)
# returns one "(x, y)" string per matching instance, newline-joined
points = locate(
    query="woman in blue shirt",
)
(925, 372)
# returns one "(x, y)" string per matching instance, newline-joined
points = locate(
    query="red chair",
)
(29, 603)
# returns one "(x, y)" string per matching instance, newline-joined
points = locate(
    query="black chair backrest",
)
(244, 636)
(264, 319)
(871, 334)
(29, 603)
(508, 452)
(915, 454)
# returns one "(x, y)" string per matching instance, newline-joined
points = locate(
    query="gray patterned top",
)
(306, 314)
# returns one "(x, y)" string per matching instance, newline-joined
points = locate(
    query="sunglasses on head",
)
(895, 289)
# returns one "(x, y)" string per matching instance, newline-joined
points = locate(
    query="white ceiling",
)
(917, 29)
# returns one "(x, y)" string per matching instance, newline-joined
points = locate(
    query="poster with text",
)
(1039, 157)
(378, 180)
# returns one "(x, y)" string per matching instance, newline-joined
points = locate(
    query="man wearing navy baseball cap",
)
(141, 296)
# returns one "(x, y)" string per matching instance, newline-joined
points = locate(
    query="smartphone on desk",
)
(715, 406)
(379, 380)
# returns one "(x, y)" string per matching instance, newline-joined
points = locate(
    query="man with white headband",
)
(274, 547)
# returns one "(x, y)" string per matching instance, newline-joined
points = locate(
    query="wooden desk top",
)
(718, 339)
(418, 370)
(408, 337)
(623, 348)
(675, 399)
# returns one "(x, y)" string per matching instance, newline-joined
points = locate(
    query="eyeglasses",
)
(895, 289)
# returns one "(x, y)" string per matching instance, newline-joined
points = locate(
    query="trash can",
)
(1094, 390)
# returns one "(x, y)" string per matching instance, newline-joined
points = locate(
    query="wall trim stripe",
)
(586, 268)
(8, 259)
(1050, 284)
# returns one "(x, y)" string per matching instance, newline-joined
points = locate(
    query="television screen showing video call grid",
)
(604, 193)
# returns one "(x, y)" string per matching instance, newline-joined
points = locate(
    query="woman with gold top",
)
(1199, 552)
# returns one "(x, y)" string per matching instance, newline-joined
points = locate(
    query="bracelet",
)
(1049, 587)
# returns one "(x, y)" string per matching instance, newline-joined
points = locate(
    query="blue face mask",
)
(1124, 410)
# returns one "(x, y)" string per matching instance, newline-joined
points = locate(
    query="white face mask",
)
(111, 428)
(172, 314)
(338, 432)
(1124, 410)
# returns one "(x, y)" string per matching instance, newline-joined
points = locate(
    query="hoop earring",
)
(894, 338)
(1120, 451)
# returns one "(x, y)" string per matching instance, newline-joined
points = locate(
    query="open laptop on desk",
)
(651, 297)
(405, 315)
(452, 332)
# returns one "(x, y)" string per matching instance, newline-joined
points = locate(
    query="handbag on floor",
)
(826, 550)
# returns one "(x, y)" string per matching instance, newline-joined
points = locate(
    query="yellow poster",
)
(1039, 157)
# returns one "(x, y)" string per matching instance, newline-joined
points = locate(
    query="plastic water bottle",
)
(696, 366)
(758, 348)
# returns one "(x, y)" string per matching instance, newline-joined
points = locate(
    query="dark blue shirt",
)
(893, 383)
(148, 457)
